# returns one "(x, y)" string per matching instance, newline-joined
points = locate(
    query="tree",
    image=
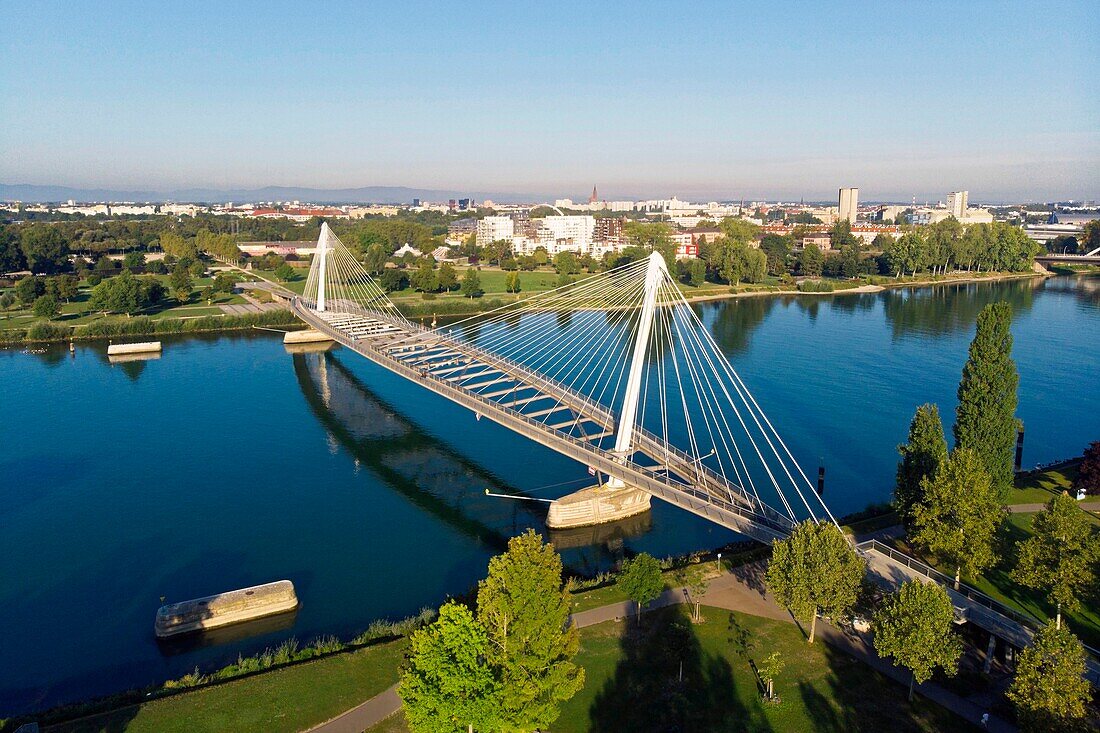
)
(811, 261)
(698, 272)
(284, 272)
(392, 280)
(133, 260)
(425, 279)
(7, 300)
(641, 580)
(1088, 472)
(180, 248)
(471, 284)
(1059, 556)
(11, 253)
(776, 248)
(375, 258)
(1050, 691)
(920, 458)
(566, 263)
(651, 237)
(1090, 237)
(65, 286)
(985, 419)
(768, 669)
(512, 282)
(694, 578)
(815, 571)
(224, 282)
(914, 627)
(959, 513)
(448, 279)
(180, 280)
(445, 684)
(525, 611)
(29, 289)
(46, 306)
(45, 249)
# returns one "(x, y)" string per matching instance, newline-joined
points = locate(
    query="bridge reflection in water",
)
(432, 475)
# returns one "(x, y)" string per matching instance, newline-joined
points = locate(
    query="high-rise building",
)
(849, 204)
(957, 203)
(494, 228)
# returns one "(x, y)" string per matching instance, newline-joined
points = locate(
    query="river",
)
(229, 462)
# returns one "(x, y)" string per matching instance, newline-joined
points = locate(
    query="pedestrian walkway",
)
(740, 590)
(1088, 506)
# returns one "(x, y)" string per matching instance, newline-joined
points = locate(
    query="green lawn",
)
(1041, 487)
(290, 699)
(673, 674)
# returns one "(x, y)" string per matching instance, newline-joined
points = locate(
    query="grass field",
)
(77, 313)
(675, 675)
(282, 700)
(1041, 487)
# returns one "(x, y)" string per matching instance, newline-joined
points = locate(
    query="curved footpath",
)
(740, 590)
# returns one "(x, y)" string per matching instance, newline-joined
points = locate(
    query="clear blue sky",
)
(702, 100)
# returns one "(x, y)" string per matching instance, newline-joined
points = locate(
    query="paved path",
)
(741, 590)
(1088, 506)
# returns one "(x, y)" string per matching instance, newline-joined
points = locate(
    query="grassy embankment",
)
(632, 683)
(77, 319)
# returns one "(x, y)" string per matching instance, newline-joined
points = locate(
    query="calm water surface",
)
(229, 462)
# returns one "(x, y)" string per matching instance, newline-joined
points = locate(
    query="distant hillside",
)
(367, 194)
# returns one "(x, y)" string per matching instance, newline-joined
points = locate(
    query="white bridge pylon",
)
(616, 370)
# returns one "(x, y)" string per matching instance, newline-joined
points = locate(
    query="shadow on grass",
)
(665, 682)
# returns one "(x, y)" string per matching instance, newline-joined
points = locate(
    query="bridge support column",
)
(596, 505)
(322, 261)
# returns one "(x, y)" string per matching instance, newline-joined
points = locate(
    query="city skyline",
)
(714, 103)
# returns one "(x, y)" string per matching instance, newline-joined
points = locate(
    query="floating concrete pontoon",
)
(226, 608)
(596, 505)
(144, 347)
(308, 336)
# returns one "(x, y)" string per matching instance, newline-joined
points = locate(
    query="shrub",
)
(816, 286)
(48, 332)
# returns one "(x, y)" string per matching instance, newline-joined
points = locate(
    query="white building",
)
(957, 203)
(849, 204)
(494, 228)
(558, 234)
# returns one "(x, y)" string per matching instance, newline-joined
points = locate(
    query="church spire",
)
(593, 198)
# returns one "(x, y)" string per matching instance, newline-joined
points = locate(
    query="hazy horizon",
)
(708, 102)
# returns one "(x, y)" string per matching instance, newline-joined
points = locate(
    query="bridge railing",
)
(971, 594)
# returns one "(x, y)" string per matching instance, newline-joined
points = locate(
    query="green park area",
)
(665, 671)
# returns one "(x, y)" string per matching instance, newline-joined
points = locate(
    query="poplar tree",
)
(920, 458)
(445, 685)
(1050, 690)
(914, 627)
(531, 643)
(815, 571)
(959, 514)
(1059, 555)
(985, 419)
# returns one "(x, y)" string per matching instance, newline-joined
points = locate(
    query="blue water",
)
(229, 462)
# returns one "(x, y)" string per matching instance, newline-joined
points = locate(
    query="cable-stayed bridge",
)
(615, 370)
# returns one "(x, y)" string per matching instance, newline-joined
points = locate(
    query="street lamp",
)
(719, 562)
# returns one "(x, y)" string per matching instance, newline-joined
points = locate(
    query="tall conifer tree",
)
(920, 458)
(985, 420)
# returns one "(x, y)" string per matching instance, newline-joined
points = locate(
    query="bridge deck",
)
(545, 411)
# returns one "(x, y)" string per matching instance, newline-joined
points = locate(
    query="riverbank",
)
(52, 332)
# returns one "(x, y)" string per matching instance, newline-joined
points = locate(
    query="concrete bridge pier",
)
(596, 505)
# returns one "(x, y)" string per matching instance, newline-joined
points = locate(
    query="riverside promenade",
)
(742, 590)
